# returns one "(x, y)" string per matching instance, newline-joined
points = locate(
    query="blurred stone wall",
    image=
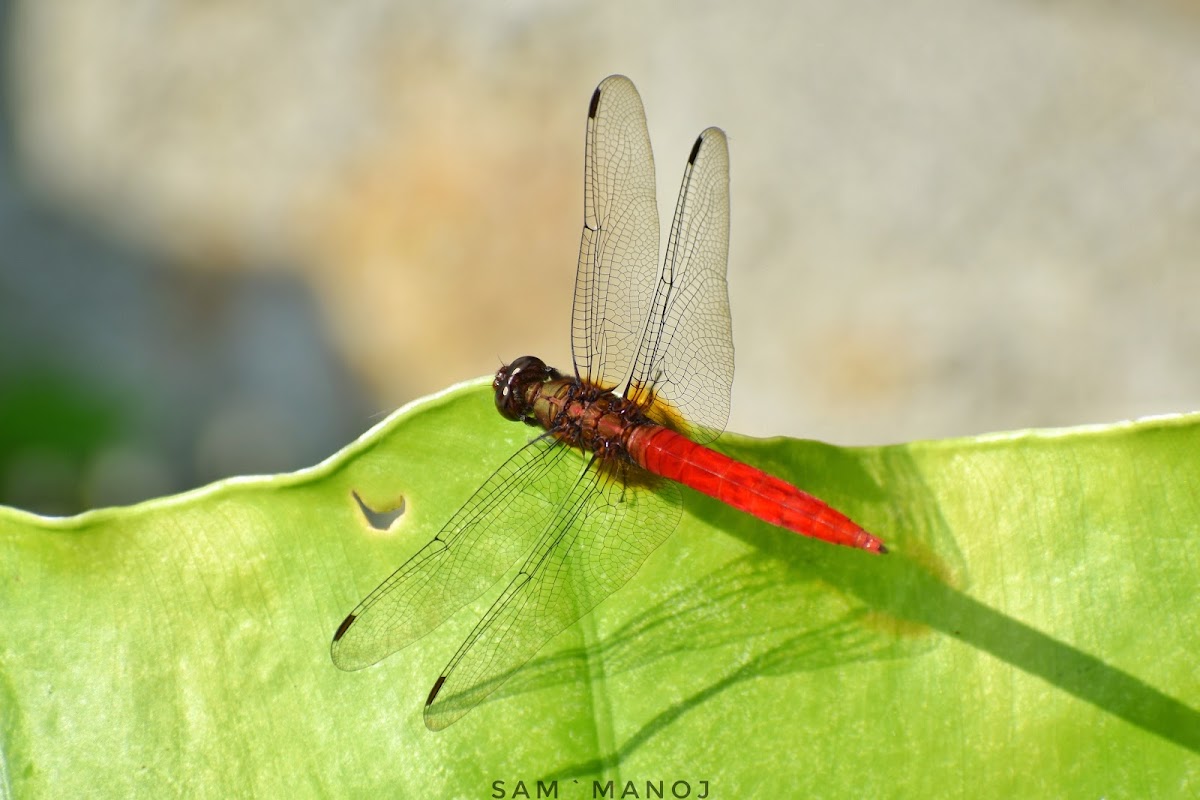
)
(948, 217)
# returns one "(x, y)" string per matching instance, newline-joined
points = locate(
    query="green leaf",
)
(1034, 632)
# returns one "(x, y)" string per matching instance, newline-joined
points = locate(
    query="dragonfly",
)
(596, 490)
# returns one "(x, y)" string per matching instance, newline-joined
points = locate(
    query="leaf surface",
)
(1034, 632)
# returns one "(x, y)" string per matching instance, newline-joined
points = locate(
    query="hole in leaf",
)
(380, 519)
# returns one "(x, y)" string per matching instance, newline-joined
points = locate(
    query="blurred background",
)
(234, 235)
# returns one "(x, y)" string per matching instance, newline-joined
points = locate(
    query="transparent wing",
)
(591, 548)
(496, 526)
(618, 252)
(686, 353)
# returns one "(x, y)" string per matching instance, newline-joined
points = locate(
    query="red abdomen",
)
(772, 500)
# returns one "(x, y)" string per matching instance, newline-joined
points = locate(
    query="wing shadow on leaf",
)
(774, 608)
(847, 608)
(738, 604)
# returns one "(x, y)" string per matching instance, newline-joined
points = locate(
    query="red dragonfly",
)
(653, 354)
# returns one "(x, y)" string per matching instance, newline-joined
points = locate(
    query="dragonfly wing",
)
(592, 547)
(686, 353)
(618, 252)
(497, 525)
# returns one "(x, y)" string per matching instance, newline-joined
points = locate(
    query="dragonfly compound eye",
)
(511, 382)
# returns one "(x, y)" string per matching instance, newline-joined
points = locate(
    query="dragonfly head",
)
(512, 382)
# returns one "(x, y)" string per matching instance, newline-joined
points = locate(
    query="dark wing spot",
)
(345, 626)
(695, 149)
(595, 103)
(437, 687)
